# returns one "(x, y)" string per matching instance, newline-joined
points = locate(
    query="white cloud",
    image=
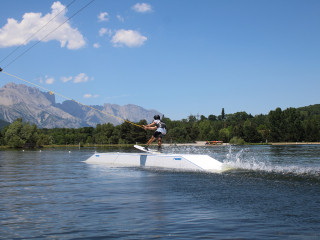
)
(142, 7)
(104, 31)
(46, 79)
(96, 45)
(16, 33)
(103, 17)
(49, 80)
(121, 19)
(66, 79)
(129, 38)
(88, 95)
(82, 77)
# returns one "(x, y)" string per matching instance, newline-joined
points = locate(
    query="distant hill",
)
(40, 108)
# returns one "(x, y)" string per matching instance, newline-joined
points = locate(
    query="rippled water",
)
(270, 192)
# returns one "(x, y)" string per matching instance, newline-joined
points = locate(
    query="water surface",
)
(270, 192)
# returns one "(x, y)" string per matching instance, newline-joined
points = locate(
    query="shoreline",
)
(295, 143)
(203, 143)
(196, 144)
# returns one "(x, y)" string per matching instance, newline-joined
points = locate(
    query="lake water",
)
(271, 192)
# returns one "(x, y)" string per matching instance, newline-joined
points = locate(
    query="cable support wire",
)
(60, 95)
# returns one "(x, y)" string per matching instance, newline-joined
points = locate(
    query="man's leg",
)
(159, 143)
(149, 142)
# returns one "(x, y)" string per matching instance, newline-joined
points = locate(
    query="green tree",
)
(116, 135)
(30, 135)
(103, 133)
(225, 134)
(12, 135)
(250, 131)
(192, 119)
(44, 139)
(139, 135)
(58, 136)
(126, 130)
(204, 130)
(216, 127)
(264, 132)
(276, 126)
(202, 118)
(238, 130)
(21, 134)
(212, 118)
(178, 135)
(312, 129)
(293, 130)
(1, 139)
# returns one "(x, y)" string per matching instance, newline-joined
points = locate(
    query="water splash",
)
(262, 160)
(246, 159)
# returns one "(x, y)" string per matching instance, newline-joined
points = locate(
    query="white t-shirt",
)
(160, 128)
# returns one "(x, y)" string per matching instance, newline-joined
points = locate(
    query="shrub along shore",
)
(197, 144)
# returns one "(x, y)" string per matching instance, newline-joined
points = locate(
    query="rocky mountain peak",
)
(40, 108)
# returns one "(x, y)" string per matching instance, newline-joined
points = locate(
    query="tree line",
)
(289, 125)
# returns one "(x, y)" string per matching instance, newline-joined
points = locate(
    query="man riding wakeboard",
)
(160, 132)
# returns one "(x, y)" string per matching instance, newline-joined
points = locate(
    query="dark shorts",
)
(158, 134)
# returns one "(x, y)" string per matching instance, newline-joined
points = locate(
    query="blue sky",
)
(177, 57)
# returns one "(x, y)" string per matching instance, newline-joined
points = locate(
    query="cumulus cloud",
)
(50, 80)
(80, 78)
(46, 79)
(120, 18)
(104, 31)
(16, 33)
(66, 79)
(142, 7)
(103, 17)
(89, 95)
(129, 38)
(96, 45)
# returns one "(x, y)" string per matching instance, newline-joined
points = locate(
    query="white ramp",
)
(190, 162)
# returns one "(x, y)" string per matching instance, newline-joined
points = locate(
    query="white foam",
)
(247, 160)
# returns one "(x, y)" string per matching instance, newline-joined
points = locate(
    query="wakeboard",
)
(146, 150)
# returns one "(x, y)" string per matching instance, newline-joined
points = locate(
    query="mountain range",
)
(40, 108)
